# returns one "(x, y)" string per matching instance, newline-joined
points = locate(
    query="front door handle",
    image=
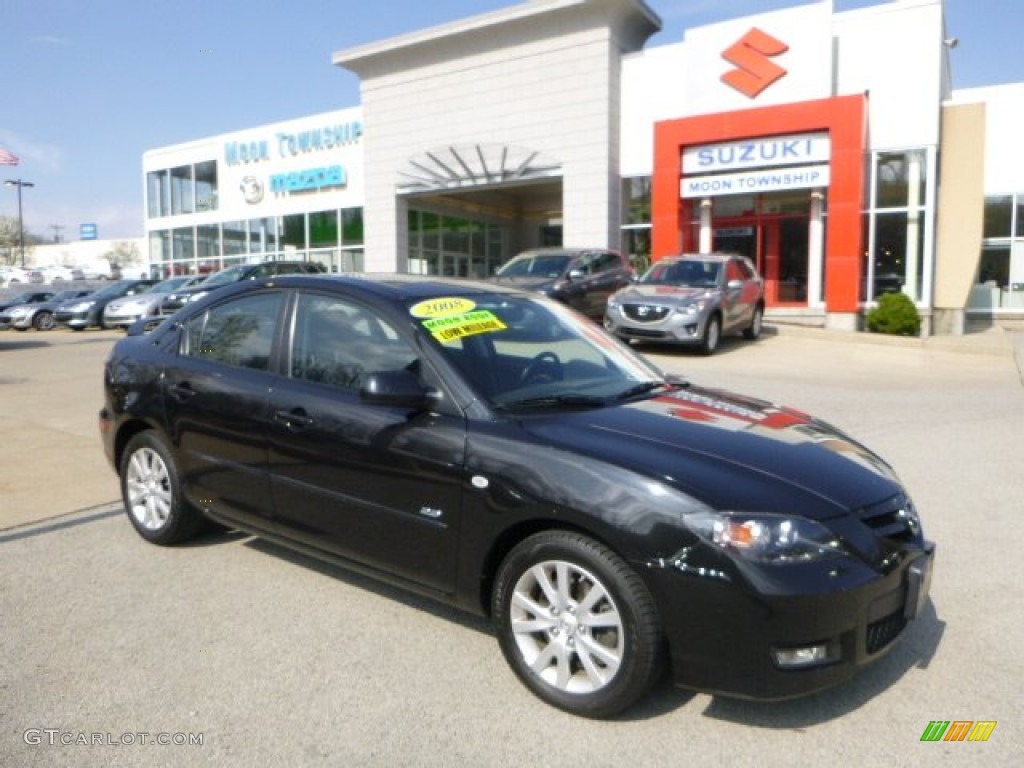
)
(295, 419)
(182, 391)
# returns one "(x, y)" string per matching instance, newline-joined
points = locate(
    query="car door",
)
(604, 276)
(379, 485)
(216, 400)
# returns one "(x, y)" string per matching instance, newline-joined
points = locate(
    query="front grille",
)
(893, 518)
(884, 631)
(642, 333)
(645, 313)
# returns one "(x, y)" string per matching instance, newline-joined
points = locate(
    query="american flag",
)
(6, 158)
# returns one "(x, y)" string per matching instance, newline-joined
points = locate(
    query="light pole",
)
(21, 225)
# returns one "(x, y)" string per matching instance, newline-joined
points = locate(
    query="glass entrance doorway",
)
(774, 232)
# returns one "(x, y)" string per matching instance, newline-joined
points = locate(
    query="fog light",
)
(809, 656)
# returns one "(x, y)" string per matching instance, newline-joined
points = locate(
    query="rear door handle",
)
(296, 418)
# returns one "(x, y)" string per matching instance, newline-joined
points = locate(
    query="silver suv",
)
(692, 300)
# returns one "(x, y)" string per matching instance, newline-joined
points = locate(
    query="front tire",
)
(151, 492)
(43, 321)
(712, 336)
(576, 624)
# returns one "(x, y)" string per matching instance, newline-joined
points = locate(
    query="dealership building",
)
(830, 147)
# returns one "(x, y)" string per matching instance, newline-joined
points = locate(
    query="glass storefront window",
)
(158, 201)
(323, 229)
(900, 179)
(183, 244)
(998, 216)
(181, 190)
(208, 241)
(636, 243)
(206, 186)
(352, 226)
(897, 225)
(293, 232)
(636, 198)
(234, 237)
(898, 254)
(159, 246)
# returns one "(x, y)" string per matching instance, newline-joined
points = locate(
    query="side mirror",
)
(401, 389)
(143, 325)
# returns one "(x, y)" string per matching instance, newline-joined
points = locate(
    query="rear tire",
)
(151, 491)
(576, 624)
(753, 331)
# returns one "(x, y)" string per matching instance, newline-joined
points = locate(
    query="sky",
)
(87, 87)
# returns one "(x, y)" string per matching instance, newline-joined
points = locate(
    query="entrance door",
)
(778, 245)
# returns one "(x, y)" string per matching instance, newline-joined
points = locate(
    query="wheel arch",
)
(511, 537)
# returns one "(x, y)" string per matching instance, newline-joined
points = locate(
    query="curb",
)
(994, 343)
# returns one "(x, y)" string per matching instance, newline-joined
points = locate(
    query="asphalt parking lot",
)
(269, 658)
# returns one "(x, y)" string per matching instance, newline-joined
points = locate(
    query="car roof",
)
(552, 250)
(717, 257)
(390, 286)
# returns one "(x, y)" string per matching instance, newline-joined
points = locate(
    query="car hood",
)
(144, 300)
(664, 294)
(525, 283)
(729, 451)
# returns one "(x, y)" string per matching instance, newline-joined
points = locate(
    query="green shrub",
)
(895, 315)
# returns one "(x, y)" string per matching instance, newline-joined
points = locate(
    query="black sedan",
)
(495, 450)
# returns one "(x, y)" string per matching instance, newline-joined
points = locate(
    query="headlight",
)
(692, 308)
(81, 306)
(774, 539)
(19, 311)
(195, 296)
(613, 303)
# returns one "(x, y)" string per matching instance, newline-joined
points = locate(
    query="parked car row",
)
(122, 303)
(689, 300)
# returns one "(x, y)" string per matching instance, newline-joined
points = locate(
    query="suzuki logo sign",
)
(752, 56)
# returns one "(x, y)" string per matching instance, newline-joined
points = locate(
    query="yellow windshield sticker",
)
(468, 324)
(444, 307)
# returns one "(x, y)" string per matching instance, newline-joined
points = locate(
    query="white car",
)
(54, 273)
(13, 275)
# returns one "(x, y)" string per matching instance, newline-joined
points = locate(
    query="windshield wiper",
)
(569, 398)
(644, 387)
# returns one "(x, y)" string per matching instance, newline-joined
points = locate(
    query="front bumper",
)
(75, 319)
(120, 320)
(673, 328)
(725, 641)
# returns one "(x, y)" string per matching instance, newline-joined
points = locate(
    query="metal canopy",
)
(473, 165)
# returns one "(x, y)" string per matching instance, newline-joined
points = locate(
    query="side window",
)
(239, 333)
(605, 262)
(338, 342)
(733, 271)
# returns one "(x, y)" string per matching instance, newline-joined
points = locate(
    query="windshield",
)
(231, 275)
(21, 298)
(67, 295)
(535, 265)
(693, 273)
(528, 351)
(115, 290)
(168, 285)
